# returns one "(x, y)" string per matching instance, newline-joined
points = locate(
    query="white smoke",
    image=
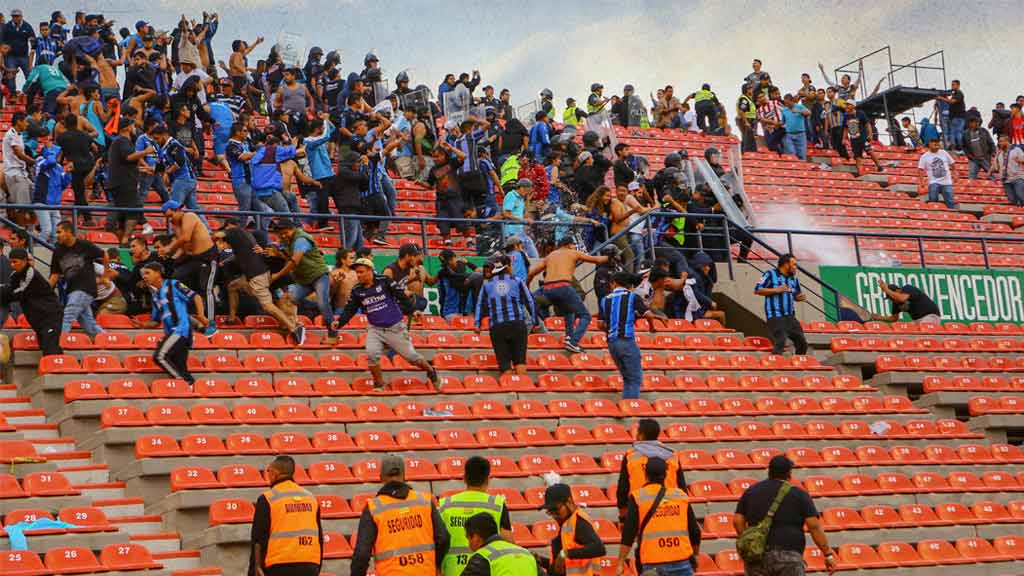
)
(829, 250)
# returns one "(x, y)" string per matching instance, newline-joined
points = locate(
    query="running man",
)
(197, 265)
(170, 310)
(385, 306)
(558, 288)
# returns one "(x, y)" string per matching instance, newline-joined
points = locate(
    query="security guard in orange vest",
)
(659, 518)
(577, 550)
(631, 475)
(401, 528)
(287, 538)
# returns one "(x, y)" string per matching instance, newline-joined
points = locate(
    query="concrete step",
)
(121, 507)
(183, 560)
(102, 491)
(14, 403)
(158, 542)
(29, 416)
(54, 445)
(91, 474)
(138, 525)
(38, 431)
(8, 390)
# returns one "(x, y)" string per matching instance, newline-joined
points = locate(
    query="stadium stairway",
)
(902, 488)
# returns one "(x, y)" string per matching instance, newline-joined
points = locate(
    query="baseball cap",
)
(16, 12)
(124, 122)
(391, 465)
(633, 186)
(363, 262)
(555, 496)
(18, 254)
(170, 205)
(141, 24)
(656, 467)
(627, 87)
(447, 254)
(409, 250)
(524, 183)
(282, 224)
(225, 81)
(584, 156)
(780, 465)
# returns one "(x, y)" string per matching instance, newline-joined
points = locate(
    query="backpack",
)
(754, 539)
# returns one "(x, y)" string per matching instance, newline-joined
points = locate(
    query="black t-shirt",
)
(957, 109)
(512, 139)
(123, 174)
(918, 306)
(243, 244)
(441, 178)
(76, 146)
(787, 532)
(857, 126)
(75, 264)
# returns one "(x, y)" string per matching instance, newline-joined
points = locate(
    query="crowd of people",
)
(469, 533)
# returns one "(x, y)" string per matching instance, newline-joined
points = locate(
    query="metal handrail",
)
(918, 238)
(298, 216)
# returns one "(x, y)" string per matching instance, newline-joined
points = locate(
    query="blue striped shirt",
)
(503, 296)
(778, 305)
(619, 310)
(170, 307)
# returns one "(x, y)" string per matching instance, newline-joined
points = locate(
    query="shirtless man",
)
(408, 273)
(109, 88)
(618, 215)
(237, 67)
(196, 256)
(559, 267)
(661, 283)
(343, 278)
(290, 173)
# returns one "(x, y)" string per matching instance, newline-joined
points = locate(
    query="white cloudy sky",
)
(532, 44)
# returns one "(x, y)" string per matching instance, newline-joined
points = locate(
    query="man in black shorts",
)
(503, 297)
(858, 130)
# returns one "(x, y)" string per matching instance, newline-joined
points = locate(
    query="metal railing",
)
(858, 239)
(298, 217)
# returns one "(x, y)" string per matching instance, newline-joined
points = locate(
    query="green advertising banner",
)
(963, 295)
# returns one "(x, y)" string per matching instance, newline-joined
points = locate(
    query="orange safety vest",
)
(294, 533)
(666, 538)
(636, 463)
(580, 566)
(405, 535)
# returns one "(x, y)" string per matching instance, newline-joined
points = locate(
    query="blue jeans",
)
(148, 182)
(13, 62)
(956, 128)
(390, 193)
(528, 246)
(795, 144)
(683, 568)
(636, 242)
(947, 194)
(48, 220)
(248, 202)
(322, 287)
(626, 355)
(947, 130)
(568, 303)
(1015, 192)
(79, 307)
(353, 233)
(974, 166)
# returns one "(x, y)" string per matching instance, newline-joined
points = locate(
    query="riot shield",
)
(416, 99)
(636, 112)
(291, 47)
(601, 123)
(527, 113)
(457, 103)
(381, 91)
